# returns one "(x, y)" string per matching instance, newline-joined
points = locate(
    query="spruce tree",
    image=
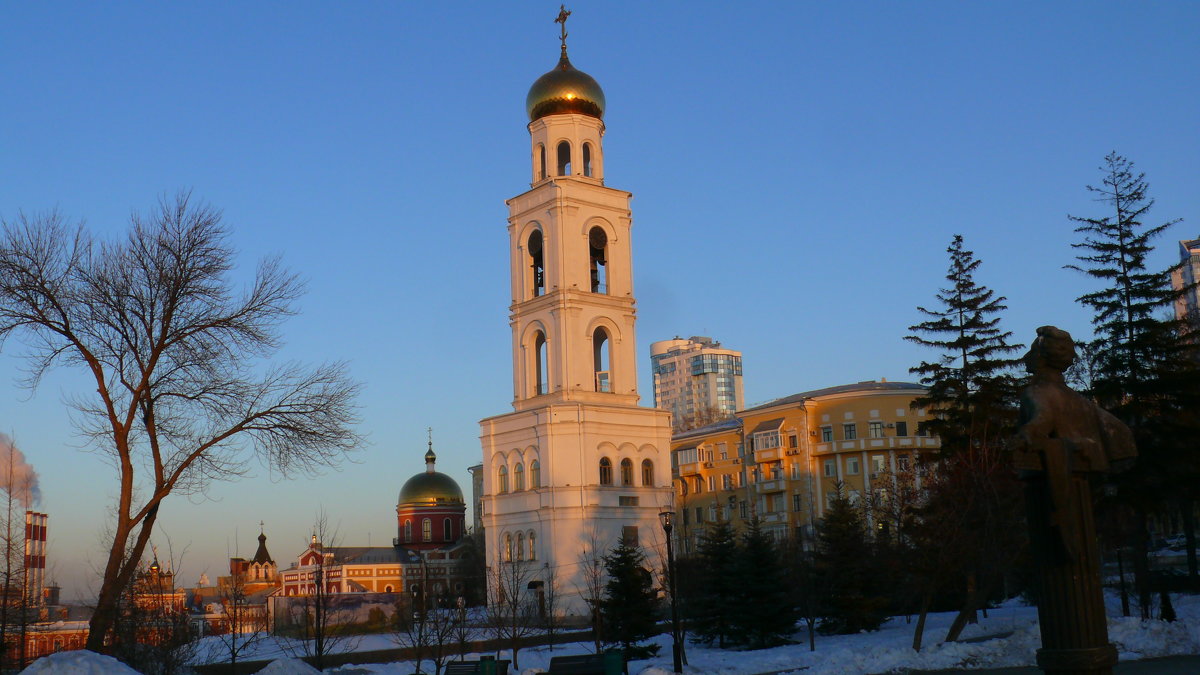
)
(765, 617)
(630, 608)
(719, 586)
(851, 601)
(1141, 367)
(970, 385)
(973, 391)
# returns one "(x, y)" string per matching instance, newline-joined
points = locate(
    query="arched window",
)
(626, 472)
(535, 475)
(587, 159)
(541, 149)
(520, 546)
(387, 589)
(605, 471)
(598, 256)
(408, 530)
(502, 478)
(600, 360)
(564, 158)
(532, 548)
(508, 548)
(647, 473)
(541, 379)
(426, 529)
(535, 247)
(518, 477)
(446, 530)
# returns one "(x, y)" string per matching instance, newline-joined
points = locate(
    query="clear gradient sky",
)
(798, 170)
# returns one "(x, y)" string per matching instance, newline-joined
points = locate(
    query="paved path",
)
(1168, 665)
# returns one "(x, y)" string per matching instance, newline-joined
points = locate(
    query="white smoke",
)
(17, 477)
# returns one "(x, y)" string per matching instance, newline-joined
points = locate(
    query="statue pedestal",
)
(1071, 600)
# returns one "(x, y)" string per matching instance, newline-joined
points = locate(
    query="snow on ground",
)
(882, 651)
(80, 662)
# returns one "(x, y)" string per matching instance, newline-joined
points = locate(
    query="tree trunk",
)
(1188, 516)
(976, 595)
(1141, 561)
(919, 633)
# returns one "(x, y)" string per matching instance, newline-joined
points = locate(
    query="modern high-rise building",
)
(1186, 275)
(577, 464)
(697, 380)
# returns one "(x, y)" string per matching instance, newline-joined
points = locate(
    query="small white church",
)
(578, 465)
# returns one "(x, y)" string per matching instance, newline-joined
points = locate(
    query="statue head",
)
(1053, 348)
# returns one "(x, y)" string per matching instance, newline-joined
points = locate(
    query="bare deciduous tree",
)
(176, 357)
(247, 621)
(511, 615)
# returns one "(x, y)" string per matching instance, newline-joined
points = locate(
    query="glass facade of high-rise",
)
(696, 379)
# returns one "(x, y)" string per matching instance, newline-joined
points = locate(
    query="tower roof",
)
(564, 90)
(430, 487)
(261, 555)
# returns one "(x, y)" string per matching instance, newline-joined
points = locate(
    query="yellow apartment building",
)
(782, 460)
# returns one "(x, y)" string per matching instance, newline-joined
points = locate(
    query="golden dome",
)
(430, 487)
(565, 90)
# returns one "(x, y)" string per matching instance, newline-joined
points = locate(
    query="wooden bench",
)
(586, 664)
(474, 667)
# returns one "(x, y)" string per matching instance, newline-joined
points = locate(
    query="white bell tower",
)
(578, 461)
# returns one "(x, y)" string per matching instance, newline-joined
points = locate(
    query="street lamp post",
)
(668, 523)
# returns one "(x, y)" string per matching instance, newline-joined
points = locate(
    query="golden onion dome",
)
(430, 488)
(565, 90)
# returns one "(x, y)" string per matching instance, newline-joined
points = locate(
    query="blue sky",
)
(798, 170)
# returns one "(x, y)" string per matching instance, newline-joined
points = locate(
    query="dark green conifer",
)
(765, 616)
(851, 601)
(970, 384)
(719, 586)
(630, 608)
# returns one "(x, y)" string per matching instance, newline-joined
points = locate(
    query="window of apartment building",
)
(829, 497)
(878, 463)
(711, 483)
(726, 482)
(796, 502)
(826, 434)
(757, 475)
(902, 462)
(699, 485)
(796, 471)
(686, 455)
(741, 478)
(875, 429)
(742, 509)
(765, 440)
(793, 440)
(722, 450)
(776, 471)
(850, 431)
(741, 449)
(901, 428)
(777, 503)
(852, 466)
(712, 512)
(699, 514)
(687, 516)
(831, 468)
